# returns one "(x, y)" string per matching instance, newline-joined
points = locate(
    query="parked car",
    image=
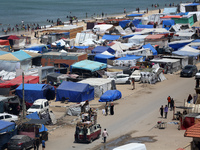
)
(131, 146)
(8, 117)
(136, 75)
(93, 132)
(121, 78)
(39, 106)
(21, 142)
(189, 71)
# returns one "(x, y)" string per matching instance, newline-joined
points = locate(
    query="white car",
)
(121, 78)
(136, 75)
(39, 106)
(8, 117)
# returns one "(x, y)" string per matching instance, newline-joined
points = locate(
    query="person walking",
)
(161, 111)
(169, 100)
(104, 135)
(166, 111)
(106, 109)
(112, 109)
(172, 104)
(133, 83)
(43, 144)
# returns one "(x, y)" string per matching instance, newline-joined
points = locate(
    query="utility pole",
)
(23, 102)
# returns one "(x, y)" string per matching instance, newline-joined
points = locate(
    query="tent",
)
(33, 92)
(110, 96)
(89, 65)
(103, 58)
(129, 60)
(40, 48)
(151, 48)
(135, 15)
(101, 49)
(111, 37)
(178, 44)
(137, 39)
(76, 92)
(100, 85)
(187, 51)
(144, 26)
(123, 23)
(4, 42)
(53, 77)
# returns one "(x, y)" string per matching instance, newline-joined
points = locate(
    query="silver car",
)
(8, 117)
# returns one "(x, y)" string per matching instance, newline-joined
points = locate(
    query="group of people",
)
(109, 107)
(164, 110)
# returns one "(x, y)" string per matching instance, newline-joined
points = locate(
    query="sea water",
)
(39, 11)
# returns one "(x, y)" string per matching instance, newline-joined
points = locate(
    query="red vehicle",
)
(87, 132)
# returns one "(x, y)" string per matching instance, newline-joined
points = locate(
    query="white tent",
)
(107, 53)
(100, 85)
(137, 39)
(62, 43)
(102, 28)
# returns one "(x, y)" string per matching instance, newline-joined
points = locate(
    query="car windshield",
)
(188, 67)
(35, 106)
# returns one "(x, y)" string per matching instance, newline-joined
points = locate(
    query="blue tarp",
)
(170, 10)
(76, 92)
(110, 96)
(193, 4)
(6, 126)
(136, 22)
(178, 45)
(37, 48)
(111, 37)
(182, 13)
(89, 65)
(35, 116)
(151, 48)
(123, 23)
(3, 52)
(144, 26)
(33, 92)
(103, 58)
(135, 15)
(21, 55)
(81, 47)
(196, 41)
(168, 23)
(129, 57)
(101, 49)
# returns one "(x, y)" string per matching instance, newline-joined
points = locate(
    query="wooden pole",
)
(23, 102)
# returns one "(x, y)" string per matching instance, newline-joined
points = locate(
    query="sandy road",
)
(138, 112)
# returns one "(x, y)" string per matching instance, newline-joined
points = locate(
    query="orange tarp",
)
(175, 16)
(154, 37)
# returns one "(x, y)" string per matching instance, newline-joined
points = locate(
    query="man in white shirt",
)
(104, 135)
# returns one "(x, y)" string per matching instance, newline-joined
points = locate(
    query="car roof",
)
(18, 137)
(6, 114)
(39, 101)
(122, 75)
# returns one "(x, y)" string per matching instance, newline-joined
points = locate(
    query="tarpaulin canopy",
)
(168, 23)
(103, 58)
(40, 48)
(187, 51)
(33, 92)
(154, 37)
(15, 56)
(101, 49)
(13, 37)
(193, 4)
(134, 15)
(6, 126)
(110, 96)
(81, 47)
(178, 44)
(18, 80)
(4, 42)
(171, 10)
(129, 57)
(89, 65)
(151, 48)
(111, 37)
(144, 26)
(76, 92)
(3, 52)
(123, 23)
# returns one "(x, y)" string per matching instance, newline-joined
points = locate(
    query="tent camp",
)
(110, 96)
(111, 37)
(74, 92)
(33, 92)
(101, 49)
(129, 60)
(151, 48)
(100, 85)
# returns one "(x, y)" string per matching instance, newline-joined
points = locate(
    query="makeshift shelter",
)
(118, 69)
(53, 78)
(38, 48)
(123, 23)
(137, 39)
(110, 96)
(186, 34)
(33, 92)
(74, 92)
(167, 24)
(191, 7)
(144, 26)
(102, 28)
(158, 39)
(188, 20)
(178, 44)
(129, 60)
(4, 42)
(119, 47)
(101, 49)
(100, 85)
(111, 37)
(170, 11)
(82, 37)
(16, 60)
(151, 48)
(103, 58)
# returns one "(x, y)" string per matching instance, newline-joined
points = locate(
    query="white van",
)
(131, 146)
(39, 106)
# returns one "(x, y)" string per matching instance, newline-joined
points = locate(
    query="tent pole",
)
(23, 103)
